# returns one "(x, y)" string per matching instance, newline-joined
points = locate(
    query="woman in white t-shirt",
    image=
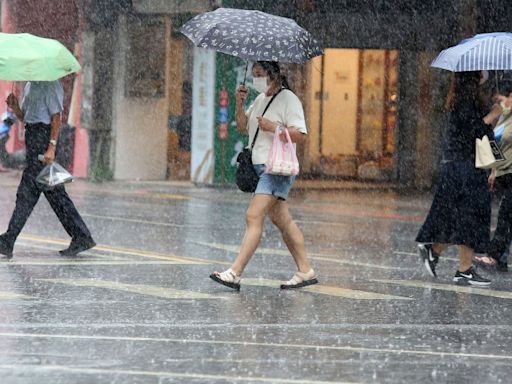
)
(285, 112)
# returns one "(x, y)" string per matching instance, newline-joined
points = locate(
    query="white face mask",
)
(260, 84)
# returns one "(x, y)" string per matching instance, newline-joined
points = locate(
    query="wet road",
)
(140, 308)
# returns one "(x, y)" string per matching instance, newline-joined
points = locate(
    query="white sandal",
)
(228, 278)
(300, 280)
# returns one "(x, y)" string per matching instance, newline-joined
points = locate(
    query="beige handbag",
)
(487, 153)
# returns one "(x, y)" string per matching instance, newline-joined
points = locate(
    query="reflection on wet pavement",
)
(140, 308)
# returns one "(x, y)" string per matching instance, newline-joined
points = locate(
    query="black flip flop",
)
(217, 279)
(305, 283)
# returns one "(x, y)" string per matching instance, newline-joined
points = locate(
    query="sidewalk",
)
(12, 177)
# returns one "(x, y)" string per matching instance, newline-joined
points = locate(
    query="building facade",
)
(61, 21)
(154, 107)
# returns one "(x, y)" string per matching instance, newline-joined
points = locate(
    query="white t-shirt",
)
(286, 109)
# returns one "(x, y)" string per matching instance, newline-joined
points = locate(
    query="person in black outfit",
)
(41, 110)
(461, 209)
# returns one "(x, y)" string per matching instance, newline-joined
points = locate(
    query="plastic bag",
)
(282, 158)
(52, 175)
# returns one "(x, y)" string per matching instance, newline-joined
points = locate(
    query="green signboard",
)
(228, 140)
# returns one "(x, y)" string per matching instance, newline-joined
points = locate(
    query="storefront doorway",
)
(353, 113)
(180, 108)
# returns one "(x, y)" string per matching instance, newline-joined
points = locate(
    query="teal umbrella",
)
(25, 57)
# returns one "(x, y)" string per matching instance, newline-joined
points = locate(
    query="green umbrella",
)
(25, 57)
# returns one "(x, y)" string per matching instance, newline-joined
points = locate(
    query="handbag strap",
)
(265, 110)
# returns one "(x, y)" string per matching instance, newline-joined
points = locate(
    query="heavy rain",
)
(373, 138)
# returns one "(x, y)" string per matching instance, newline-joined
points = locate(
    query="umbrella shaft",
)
(245, 74)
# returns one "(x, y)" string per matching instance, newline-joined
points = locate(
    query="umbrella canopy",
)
(25, 57)
(486, 51)
(252, 35)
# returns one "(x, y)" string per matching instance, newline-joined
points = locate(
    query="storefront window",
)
(352, 113)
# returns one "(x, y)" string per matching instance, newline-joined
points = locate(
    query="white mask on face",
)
(260, 84)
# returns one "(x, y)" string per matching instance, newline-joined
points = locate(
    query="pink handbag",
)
(282, 159)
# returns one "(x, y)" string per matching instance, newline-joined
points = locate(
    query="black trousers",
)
(503, 233)
(37, 137)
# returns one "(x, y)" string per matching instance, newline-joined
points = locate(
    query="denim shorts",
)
(275, 185)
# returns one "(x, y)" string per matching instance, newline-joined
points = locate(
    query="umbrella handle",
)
(245, 74)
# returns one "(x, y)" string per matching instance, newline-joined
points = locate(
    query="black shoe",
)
(502, 267)
(5, 248)
(429, 258)
(470, 277)
(78, 246)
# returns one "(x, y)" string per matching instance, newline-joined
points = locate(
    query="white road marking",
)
(448, 287)
(145, 222)
(415, 254)
(245, 344)
(327, 290)
(12, 296)
(35, 369)
(151, 290)
(126, 251)
(311, 255)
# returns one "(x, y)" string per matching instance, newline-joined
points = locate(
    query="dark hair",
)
(465, 87)
(505, 86)
(274, 72)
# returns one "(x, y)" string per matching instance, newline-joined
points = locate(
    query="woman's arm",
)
(502, 106)
(296, 135)
(491, 180)
(270, 126)
(493, 115)
(240, 117)
(12, 102)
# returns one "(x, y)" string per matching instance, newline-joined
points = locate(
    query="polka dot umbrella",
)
(252, 35)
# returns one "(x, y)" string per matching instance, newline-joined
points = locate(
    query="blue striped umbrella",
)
(486, 51)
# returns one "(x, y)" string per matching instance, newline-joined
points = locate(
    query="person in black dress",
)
(461, 208)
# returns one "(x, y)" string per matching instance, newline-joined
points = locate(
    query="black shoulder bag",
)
(246, 177)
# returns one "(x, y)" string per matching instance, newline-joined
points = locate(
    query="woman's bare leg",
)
(466, 258)
(292, 235)
(258, 208)
(439, 248)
